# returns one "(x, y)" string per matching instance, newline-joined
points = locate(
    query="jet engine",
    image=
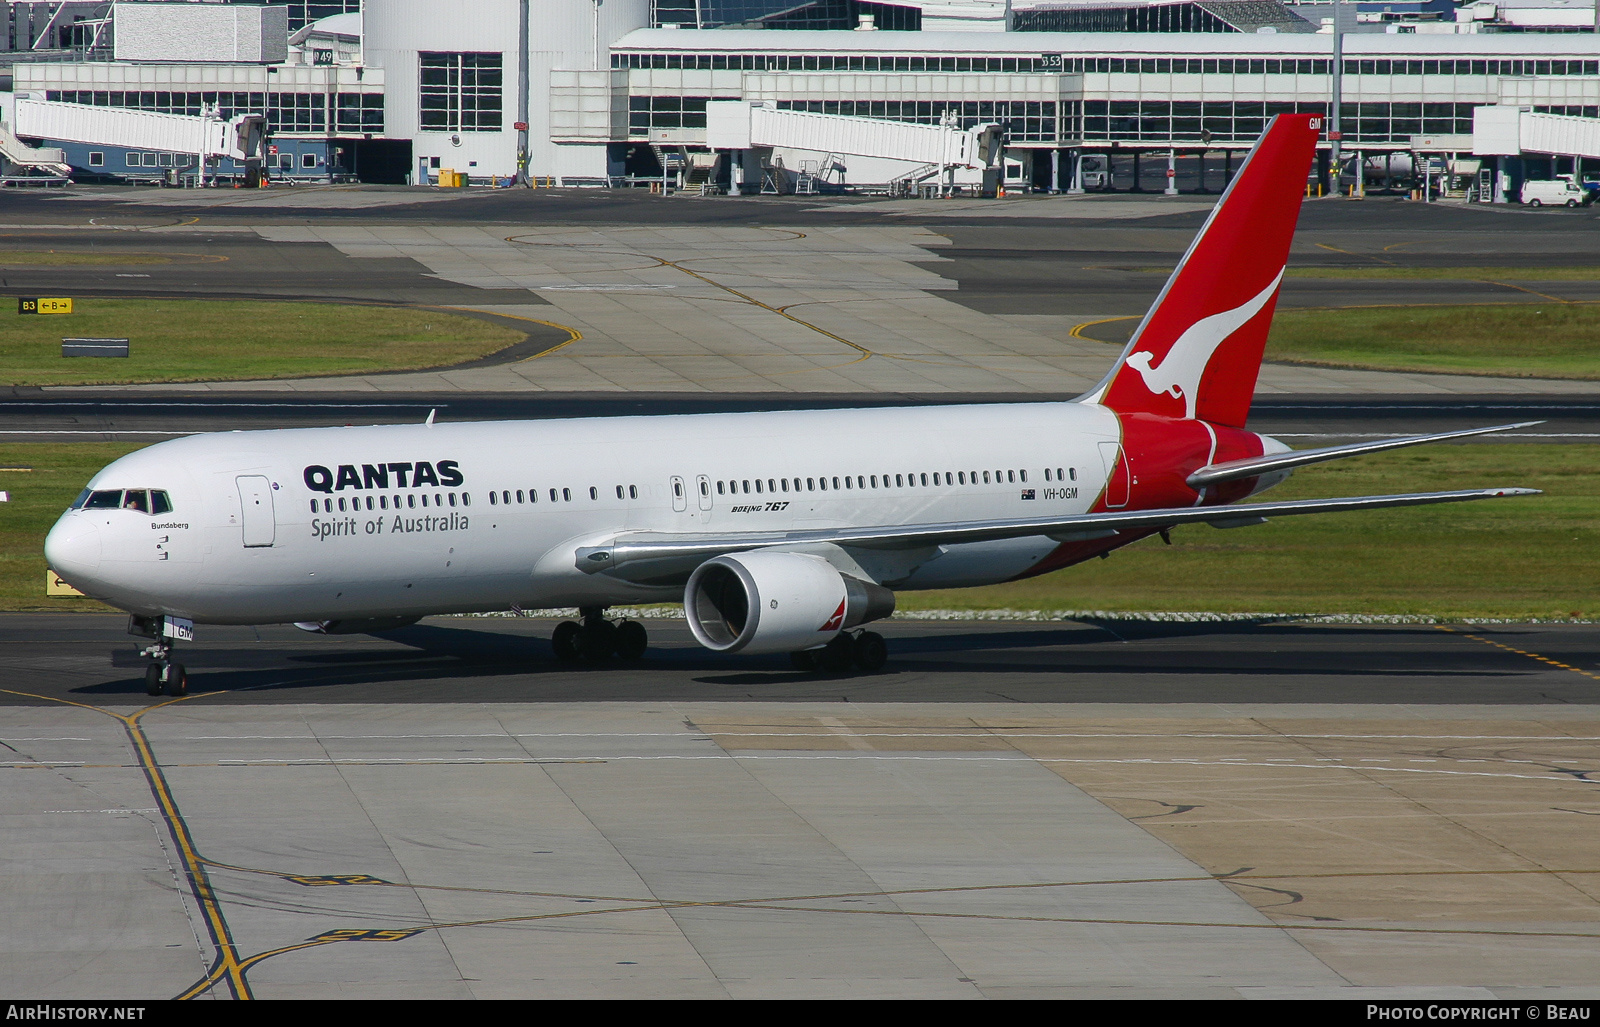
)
(767, 602)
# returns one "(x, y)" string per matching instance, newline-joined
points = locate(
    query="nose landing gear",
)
(164, 674)
(597, 639)
(864, 650)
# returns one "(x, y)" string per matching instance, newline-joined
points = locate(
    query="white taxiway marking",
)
(151, 810)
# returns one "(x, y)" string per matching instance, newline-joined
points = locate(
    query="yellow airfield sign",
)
(44, 305)
(54, 586)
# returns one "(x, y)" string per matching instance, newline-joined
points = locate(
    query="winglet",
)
(1198, 350)
(429, 421)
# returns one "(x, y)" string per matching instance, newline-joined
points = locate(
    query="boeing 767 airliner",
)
(779, 532)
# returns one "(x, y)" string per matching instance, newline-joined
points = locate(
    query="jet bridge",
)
(933, 150)
(241, 137)
(1507, 131)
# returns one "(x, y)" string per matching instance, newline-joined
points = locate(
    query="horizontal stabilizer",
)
(659, 558)
(1253, 466)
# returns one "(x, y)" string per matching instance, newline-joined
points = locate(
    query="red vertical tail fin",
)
(1197, 352)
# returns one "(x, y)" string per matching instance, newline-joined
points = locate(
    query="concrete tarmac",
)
(1068, 810)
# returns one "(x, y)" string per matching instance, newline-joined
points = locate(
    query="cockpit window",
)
(146, 501)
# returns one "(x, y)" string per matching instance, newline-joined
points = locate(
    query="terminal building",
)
(398, 90)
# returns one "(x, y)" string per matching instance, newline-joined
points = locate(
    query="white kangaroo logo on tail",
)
(1178, 374)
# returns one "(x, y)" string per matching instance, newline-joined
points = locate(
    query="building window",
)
(308, 160)
(647, 113)
(297, 112)
(360, 112)
(97, 159)
(460, 92)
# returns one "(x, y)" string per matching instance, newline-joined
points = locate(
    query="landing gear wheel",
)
(565, 640)
(871, 652)
(631, 640)
(152, 679)
(838, 656)
(597, 641)
(177, 679)
(805, 660)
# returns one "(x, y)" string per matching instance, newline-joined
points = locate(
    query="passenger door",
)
(256, 513)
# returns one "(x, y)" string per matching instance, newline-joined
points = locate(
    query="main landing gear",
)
(864, 650)
(597, 639)
(164, 674)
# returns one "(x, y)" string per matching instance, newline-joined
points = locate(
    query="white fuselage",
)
(346, 532)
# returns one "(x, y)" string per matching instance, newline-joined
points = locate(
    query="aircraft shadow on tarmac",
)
(1074, 662)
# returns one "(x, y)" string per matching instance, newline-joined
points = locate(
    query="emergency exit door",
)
(256, 514)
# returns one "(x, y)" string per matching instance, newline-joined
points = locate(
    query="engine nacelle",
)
(766, 602)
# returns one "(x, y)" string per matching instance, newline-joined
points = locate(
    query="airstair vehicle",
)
(701, 173)
(21, 164)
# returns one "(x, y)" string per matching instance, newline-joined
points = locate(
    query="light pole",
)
(1335, 134)
(522, 92)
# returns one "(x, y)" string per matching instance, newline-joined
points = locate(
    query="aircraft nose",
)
(72, 549)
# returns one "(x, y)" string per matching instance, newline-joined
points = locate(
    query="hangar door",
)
(255, 504)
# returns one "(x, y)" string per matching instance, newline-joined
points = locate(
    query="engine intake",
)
(766, 602)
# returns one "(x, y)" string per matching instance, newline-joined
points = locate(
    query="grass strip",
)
(1510, 559)
(213, 340)
(1524, 340)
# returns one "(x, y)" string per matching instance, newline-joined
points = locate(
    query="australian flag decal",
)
(1029, 494)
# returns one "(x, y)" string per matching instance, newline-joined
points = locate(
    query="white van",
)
(1559, 191)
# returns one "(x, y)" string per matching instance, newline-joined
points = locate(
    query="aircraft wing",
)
(1232, 470)
(661, 558)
